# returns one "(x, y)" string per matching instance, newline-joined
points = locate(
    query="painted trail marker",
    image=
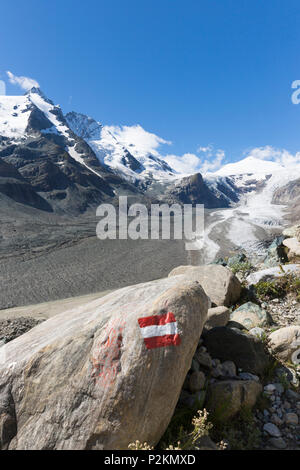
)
(159, 331)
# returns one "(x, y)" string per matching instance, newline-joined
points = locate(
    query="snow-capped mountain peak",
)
(249, 165)
(17, 114)
(131, 164)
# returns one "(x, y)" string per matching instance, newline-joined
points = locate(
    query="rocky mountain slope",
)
(70, 164)
(289, 194)
(61, 172)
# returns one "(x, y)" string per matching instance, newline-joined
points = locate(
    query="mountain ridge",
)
(72, 163)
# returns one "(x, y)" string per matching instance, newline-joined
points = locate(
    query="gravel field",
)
(84, 266)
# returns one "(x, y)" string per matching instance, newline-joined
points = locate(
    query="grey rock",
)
(292, 418)
(196, 381)
(249, 315)
(258, 332)
(228, 369)
(219, 283)
(248, 376)
(79, 380)
(217, 316)
(270, 388)
(276, 420)
(285, 343)
(246, 351)
(277, 442)
(292, 395)
(226, 398)
(204, 359)
(272, 430)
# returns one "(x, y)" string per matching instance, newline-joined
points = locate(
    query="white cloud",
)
(137, 140)
(281, 156)
(215, 163)
(207, 150)
(25, 83)
(190, 163)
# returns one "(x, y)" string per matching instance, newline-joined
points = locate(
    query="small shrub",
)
(241, 432)
(188, 434)
(278, 288)
(243, 267)
(137, 445)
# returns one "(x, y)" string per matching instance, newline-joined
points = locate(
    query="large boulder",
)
(293, 246)
(249, 315)
(219, 283)
(103, 375)
(292, 232)
(226, 398)
(285, 343)
(231, 344)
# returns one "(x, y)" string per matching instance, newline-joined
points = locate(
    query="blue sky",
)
(196, 73)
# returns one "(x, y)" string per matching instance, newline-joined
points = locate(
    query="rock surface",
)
(85, 379)
(226, 398)
(12, 328)
(293, 246)
(273, 272)
(217, 316)
(292, 232)
(219, 283)
(285, 343)
(247, 352)
(249, 315)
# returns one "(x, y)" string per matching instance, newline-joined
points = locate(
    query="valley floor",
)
(49, 258)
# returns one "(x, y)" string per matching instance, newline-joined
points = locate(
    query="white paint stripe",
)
(159, 330)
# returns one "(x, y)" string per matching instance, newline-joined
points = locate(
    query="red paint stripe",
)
(157, 320)
(161, 341)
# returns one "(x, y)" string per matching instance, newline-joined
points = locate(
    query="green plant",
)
(279, 287)
(284, 381)
(269, 371)
(242, 267)
(137, 445)
(184, 432)
(263, 402)
(241, 431)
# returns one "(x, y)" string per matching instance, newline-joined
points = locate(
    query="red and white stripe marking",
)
(159, 331)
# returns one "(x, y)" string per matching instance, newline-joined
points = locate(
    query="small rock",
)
(279, 388)
(217, 316)
(196, 381)
(228, 369)
(292, 395)
(257, 332)
(249, 316)
(277, 442)
(272, 429)
(216, 362)
(217, 371)
(276, 420)
(204, 359)
(291, 418)
(248, 376)
(229, 396)
(270, 388)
